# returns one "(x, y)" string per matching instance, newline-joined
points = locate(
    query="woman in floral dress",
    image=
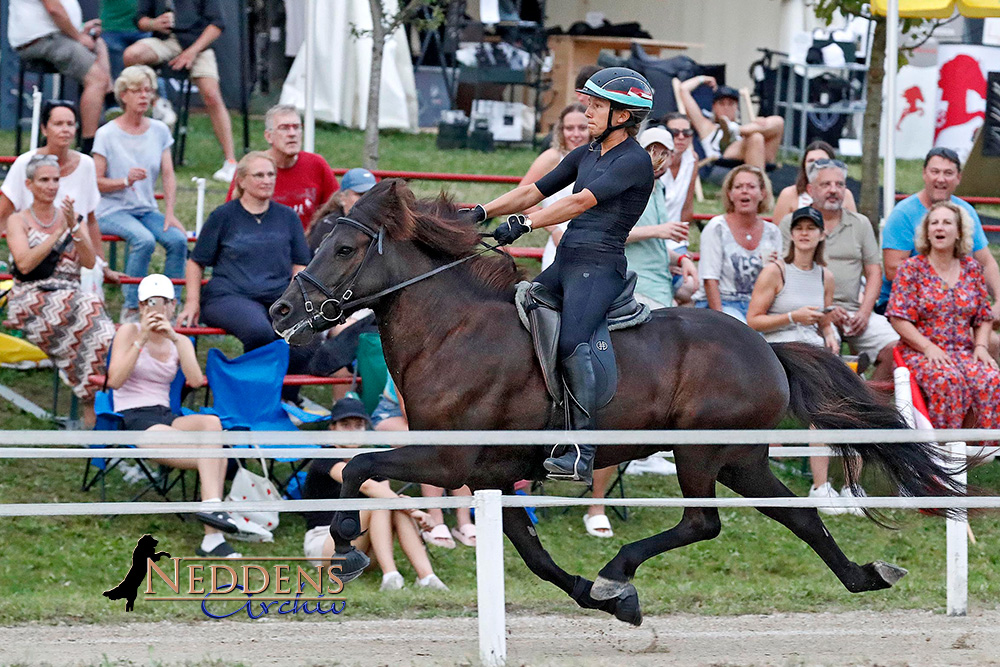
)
(67, 323)
(940, 309)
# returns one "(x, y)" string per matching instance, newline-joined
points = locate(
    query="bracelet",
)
(982, 346)
(136, 345)
(790, 320)
(125, 181)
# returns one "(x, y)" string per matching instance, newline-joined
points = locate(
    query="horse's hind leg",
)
(697, 524)
(519, 530)
(753, 478)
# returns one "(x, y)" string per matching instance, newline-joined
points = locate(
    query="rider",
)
(613, 178)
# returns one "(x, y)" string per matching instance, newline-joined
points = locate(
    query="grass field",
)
(54, 569)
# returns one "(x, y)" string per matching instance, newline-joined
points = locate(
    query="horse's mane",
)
(434, 225)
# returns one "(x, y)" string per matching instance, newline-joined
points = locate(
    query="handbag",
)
(255, 526)
(45, 268)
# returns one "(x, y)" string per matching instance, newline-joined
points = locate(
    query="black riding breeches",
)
(589, 281)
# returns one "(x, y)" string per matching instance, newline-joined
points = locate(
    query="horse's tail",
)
(825, 393)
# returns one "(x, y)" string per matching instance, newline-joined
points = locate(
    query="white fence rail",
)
(488, 503)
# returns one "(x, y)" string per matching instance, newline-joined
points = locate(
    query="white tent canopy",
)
(340, 68)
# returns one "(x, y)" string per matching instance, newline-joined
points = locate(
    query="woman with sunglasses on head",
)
(795, 196)
(77, 174)
(130, 153)
(612, 179)
(49, 245)
(144, 361)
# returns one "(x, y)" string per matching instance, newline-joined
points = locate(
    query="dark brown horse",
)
(458, 354)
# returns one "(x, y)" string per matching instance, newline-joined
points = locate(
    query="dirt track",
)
(854, 638)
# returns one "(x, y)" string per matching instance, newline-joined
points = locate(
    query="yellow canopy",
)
(940, 9)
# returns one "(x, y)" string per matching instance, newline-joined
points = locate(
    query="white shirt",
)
(677, 188)
(28, 20)
(81, 185)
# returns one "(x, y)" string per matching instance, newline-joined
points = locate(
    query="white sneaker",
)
(432, 582)
(226, 172)
(653, 465)
(163, 110)
(847, 493)
(827, 491)
(392, 581)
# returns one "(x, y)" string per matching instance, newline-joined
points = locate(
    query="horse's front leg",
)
(519, 530)
(447, 467)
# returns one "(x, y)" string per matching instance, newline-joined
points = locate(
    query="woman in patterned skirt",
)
(940, 309)
(52, 311)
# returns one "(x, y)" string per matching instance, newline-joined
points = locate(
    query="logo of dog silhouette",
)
(914, 104)
(145, 550)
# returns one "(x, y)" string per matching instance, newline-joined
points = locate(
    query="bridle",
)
(331, 311)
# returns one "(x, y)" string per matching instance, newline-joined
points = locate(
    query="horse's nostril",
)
(281, 309)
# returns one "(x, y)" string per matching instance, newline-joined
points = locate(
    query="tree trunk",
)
(871, 128)
(370, 159)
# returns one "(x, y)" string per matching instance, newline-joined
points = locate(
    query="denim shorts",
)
(385, 409)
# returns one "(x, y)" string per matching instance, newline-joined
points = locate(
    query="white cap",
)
(656, 135)
(156, 284)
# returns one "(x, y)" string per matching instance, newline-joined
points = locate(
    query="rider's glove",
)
(514, 228)
(475, 215)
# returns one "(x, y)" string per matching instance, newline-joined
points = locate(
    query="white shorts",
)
(312, 545)
(876, 336)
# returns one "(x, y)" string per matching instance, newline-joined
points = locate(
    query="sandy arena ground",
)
(854, 638)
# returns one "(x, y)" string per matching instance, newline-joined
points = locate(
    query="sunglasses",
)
(687, 132)
(829, 162)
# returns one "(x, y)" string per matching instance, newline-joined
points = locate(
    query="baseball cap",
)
(656, 135)
(359, 180)
(808, 213)
(349, 407)
(156, 284)
(726, 92)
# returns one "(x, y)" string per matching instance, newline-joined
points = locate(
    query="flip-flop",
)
(465, 534)
(438, 536)
(598, 525)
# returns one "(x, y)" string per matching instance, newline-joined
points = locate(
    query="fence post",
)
(489, 578)
(36, 115)
(199, 216)
(958, 546)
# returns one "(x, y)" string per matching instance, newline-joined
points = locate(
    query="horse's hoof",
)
(605, 589)
(889, 572)
(627, 607)
(352, 564)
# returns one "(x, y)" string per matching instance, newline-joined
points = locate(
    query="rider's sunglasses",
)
(686, 132)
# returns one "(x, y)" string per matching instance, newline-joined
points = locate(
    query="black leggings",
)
(589, 281)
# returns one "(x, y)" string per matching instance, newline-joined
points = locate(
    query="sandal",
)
(598, 525)
(465, 534)
(438, 536)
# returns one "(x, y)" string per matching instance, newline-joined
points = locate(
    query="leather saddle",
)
(541, 314)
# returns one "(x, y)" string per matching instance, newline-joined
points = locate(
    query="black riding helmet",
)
(625, 89)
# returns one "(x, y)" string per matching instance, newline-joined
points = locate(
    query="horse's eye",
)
(345, 251)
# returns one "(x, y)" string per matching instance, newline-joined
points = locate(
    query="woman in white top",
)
(736, 245)
(678, 182)
(570, 132)
(77, 174)
(795, 196)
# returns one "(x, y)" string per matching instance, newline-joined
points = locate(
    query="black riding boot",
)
(577, 463)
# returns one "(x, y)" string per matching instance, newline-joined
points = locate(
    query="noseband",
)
(331, 311)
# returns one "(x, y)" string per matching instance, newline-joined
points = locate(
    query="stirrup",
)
(557, 474)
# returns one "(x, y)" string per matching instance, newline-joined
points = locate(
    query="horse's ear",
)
(399, 205)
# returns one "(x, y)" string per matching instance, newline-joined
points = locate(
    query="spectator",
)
(678, 181)
(735, 245)
(305, 180)
(54, 31)
(582, 76)
(721, 135)
(570, 132)
(48, 246)
(853, 259)
(144, 361)
(182, 38)
(797, 195)
(130, 153)
(323, 481)
(942, 174)
(390, 415)
(940, 308)
(355, 183)
(77, 175)
(255, 246)
(646, 249)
